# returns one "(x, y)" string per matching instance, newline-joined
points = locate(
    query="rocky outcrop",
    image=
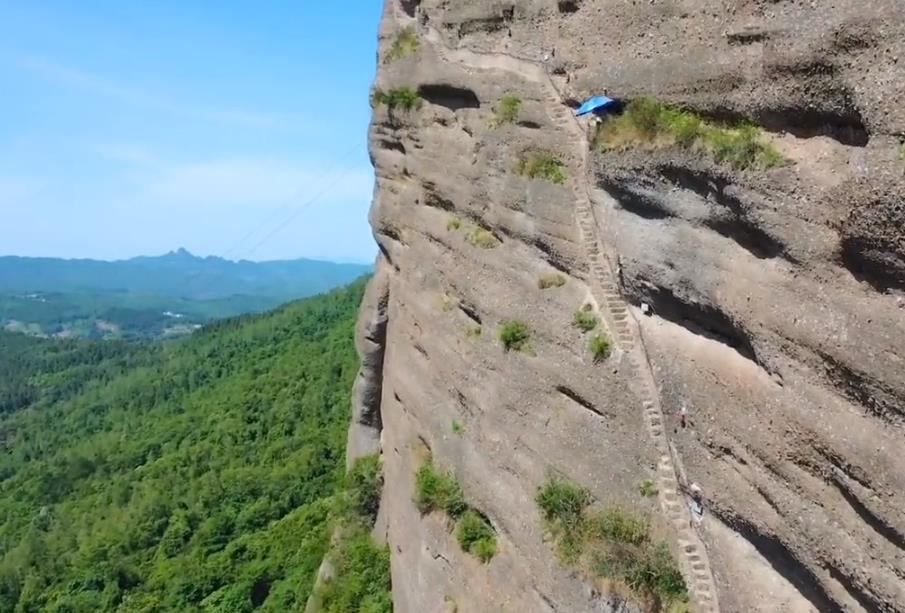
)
(370, 341)
(769, 371)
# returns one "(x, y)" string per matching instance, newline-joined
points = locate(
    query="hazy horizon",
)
(327, 259)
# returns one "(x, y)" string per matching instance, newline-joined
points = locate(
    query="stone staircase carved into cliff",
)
(606, 291)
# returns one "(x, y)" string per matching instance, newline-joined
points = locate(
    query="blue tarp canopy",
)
(596, 103)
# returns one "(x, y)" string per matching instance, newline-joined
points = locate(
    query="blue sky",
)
(130, 128)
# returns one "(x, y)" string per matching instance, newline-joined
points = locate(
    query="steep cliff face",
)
(769, 369)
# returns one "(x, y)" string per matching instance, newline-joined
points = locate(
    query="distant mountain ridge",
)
(151, 296)
(177, 274)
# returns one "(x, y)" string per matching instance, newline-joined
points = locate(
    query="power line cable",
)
(267, 222)
(297, 212)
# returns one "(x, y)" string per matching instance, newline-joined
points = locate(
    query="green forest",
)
(203, 474)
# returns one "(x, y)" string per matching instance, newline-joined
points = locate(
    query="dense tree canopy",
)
(196, 475)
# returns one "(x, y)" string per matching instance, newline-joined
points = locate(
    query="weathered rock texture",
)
(776, 298)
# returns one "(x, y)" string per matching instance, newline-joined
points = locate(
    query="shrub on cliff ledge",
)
(435, 490)
(404, 98)
(438, 491)
(585, 320)
(476, 535)
(600, 348)
(549, 281)
(363, 486)
(514, 335)
(482, 238)
(563, 503)
(611, 543)
(650, 123)
(406, 43)
(542, 165)
(508, 110)
(361, 577)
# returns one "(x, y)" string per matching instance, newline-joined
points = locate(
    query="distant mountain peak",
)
(182, 252)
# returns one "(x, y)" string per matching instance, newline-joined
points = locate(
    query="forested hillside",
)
(200, 475)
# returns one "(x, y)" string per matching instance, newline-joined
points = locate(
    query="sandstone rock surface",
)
(776, 298)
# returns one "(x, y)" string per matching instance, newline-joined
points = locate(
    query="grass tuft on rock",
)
(611, 543)
(600, 348)
(439, 491)
(550, 281)
(482, 238)
(406, 43)
(650, 123)
(404, 98)
(648, 488)
(454, 224)
(585, 320)
(514, 335)
(457, 427)
(507, 111)
(562, 502)
(476, 535)
(542, 165)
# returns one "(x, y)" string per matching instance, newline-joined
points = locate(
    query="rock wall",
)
(776, 297)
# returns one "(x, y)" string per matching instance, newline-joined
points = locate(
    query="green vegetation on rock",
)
(514, 335)
(454, 224)
(361, 569)
(542, 165)
(610, 543)
(584, 319)
(197, 475)
(476, 535)
(482, 238)
(507, 111)
(648, 488)
(439, 491)
(550, 281)
(362, 578)
(404, 98)
(600, 347)
(652, 124)
(406, 43)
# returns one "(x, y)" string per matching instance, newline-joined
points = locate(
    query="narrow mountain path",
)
(605, 288)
